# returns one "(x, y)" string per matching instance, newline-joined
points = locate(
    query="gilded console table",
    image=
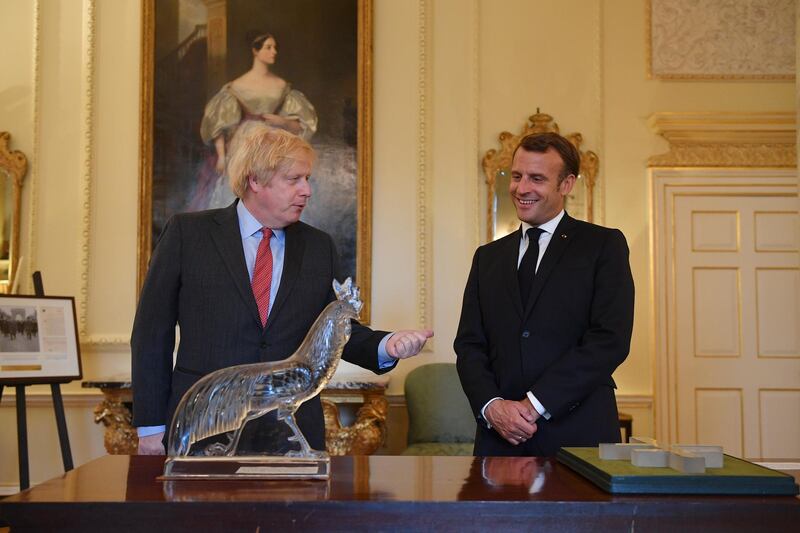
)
(347, 432)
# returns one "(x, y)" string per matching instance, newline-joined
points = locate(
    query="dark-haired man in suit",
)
(245, 284)
(547, 317)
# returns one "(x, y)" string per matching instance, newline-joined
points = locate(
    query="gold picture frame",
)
(351, 213)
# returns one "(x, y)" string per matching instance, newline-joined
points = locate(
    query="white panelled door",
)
(731, 314)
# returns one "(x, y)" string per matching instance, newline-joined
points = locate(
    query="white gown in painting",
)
(230, 109)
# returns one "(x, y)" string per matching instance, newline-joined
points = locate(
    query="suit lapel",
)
(228, 240)
(559, 242)
(292, 260)
(510, 257)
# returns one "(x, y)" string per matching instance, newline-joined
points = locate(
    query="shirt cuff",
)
(483, 411)
(384, 359)
(146, 431)
(538, 406)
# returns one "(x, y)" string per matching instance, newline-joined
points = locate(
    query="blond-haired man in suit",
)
(201, 277)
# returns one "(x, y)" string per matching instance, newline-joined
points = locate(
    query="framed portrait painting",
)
(203, 63)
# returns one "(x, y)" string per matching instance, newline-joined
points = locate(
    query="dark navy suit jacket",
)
(198, 279)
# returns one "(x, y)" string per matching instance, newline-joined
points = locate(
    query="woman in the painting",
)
(258, 94)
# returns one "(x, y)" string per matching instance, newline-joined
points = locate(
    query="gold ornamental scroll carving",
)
(500, 214)
(120, 436)
(364, 436)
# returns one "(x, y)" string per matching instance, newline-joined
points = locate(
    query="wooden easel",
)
(22, 418)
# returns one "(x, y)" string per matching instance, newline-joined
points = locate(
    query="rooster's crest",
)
(347, 292)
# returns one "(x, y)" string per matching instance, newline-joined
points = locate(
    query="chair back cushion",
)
(438, 410)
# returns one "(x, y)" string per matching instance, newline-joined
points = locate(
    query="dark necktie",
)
(262, 275)
(527, 267)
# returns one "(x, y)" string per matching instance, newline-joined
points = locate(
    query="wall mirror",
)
(13, 167)
(501, 214)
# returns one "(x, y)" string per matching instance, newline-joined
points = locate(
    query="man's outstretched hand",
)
(407, 343)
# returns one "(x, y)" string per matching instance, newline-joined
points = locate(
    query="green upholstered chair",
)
(440, 421)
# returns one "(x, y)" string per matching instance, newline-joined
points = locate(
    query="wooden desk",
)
(369, 493)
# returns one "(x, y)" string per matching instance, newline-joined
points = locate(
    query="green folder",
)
(736, 476)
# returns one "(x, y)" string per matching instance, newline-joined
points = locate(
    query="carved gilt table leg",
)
(364, 436)
(120, 436)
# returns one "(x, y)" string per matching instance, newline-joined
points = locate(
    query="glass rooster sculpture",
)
(226, 400)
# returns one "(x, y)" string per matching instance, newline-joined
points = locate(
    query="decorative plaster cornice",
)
(723, 121)
(726, 139)
(716, 155)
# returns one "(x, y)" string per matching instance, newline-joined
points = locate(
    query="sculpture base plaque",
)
(247, 467)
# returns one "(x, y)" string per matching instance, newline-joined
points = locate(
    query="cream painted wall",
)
(80, 198)
(449, 76)
(629, 100)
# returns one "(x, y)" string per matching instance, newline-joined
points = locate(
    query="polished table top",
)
(414, 492)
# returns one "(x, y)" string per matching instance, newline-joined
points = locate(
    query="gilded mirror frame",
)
(14, 164)
(497, 164)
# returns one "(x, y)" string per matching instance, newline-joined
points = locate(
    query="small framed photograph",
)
(38, 340)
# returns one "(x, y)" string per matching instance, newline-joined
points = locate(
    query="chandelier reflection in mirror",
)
(225, 401)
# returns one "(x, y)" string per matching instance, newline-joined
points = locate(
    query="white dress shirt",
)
(548, 228)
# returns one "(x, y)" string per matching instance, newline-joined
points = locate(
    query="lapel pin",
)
(563, 235)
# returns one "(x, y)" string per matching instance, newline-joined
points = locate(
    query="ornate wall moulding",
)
(726, 139)
(720, 39)
(13, 168)
(424, 274)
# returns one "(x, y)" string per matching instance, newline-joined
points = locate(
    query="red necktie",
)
(262, 275)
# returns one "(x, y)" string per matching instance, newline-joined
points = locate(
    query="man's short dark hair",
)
(541, 142)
